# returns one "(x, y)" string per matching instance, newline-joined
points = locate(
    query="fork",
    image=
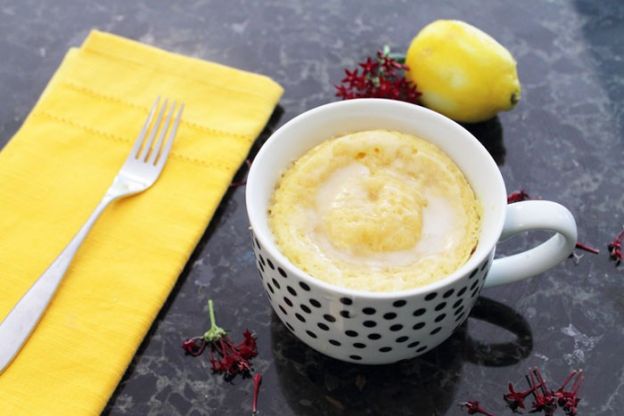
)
(140, 171)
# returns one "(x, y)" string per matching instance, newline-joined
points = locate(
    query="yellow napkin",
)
(54, 171)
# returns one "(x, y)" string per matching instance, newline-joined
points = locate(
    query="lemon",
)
(462, 71)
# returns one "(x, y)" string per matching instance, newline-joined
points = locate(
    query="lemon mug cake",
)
(375, 210)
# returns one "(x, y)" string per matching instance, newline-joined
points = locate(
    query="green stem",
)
(215, 332)
(397, 56)
(213, 321)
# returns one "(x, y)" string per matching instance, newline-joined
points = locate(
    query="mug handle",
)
(534, 215)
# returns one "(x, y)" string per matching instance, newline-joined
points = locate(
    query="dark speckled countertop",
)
(563, 142)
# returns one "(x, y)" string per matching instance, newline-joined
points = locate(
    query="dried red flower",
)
(257, 380)
(194, 346)
(382, 77)
(545, 400)
(231, 359)
(568, 400)
(474, 408)
(226, 357)
(615, 248)
(517, 196)
(515, 399)
(587, 248)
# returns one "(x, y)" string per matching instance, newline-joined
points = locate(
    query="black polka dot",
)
(396, 327)
(474, 285)
(305, 308)
(484, 265)
(270, 287)
(369, 311)
(374, 336)
(401, 339)
(459, 310)
(413, 344)
(329, 318)
(436, 330)
(281, 308)
(475, 293)
(282, 272)
(257, 244)
(419, 312)
(304, 286)
(355, 357)
(431, 296)
(270, 263)
(440, 306)
(419, 325)
(334, 342)
(323, 326)
(277, 285)
(473, 274)
(390, 315)
(385, 349)
(290, 327)
(291, 290)
(351, 333)
(310, 333)
(458, 303)
(421, 349)
(261, 259)
(359, 345)
(459, 318)
(315, 303)
(448, 293)
(261, 267)
(398, 303)
(288, 302)
(462, 291)
(300, 317)
(345, 314)
(440, 317)
(346, 301)
(369, 324)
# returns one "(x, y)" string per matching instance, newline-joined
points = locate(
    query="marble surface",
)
(563, 142)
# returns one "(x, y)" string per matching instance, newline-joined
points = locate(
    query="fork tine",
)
(139, 140)
(170, 138)
(161, 135)
(150, 139)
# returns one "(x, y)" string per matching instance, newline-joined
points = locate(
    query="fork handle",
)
(23, 318)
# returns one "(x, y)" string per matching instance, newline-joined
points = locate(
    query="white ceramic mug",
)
(378, 328)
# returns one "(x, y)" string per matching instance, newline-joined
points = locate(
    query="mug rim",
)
(269, 245)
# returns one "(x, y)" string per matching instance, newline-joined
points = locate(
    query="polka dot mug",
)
(378, 328)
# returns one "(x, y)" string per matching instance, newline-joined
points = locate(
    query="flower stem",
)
(397, 56)
(215, 332)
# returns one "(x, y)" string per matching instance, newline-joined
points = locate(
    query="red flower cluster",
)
(232, 359)
(473, 407)
(545, 400)
(226, 357)
(382, 77)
